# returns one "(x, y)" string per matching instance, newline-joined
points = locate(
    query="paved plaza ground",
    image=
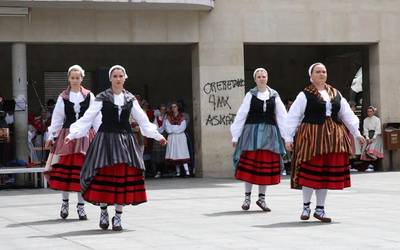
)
(205, 213)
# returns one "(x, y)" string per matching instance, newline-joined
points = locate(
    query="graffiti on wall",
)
(218, 96)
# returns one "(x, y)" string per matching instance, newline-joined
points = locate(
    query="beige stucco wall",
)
(203, 5)
(233, 23)
(219, 37)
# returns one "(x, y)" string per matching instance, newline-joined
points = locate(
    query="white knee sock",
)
(118, 211)
(104, 214)
(81, 201)
(247, 187)
(178, 169)
(65, 196)
(321, 196)
(186, 166)
(307, 194)
(262, 189)
(118, 207)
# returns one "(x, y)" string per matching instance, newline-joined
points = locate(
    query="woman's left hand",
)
(67, 140)
(289, 146)
(361, 139)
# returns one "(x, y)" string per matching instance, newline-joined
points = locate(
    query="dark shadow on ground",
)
(292, 224)
(83, 233)
(43, 222)
(238, 212)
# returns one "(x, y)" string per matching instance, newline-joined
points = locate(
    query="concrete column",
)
(218, 90)
(196, 92)
(19, 79)
(384, 91)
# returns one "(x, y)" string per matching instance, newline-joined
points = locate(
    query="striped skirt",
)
(327, 144)
(65, 175)
(117, 184)
(330, 171)
(261, 167)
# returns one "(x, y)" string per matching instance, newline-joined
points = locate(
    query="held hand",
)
(49, 144)
(289, 146)
(67, 140)
(234, 144)
(361, 139)
(163, 141)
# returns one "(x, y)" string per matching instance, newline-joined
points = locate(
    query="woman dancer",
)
(257, 139)
(66, 160)
(318, 119)
(113, 172)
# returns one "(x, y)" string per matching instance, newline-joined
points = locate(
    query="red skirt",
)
(117, 184)
(65, 175)
(329, 171)
(261, 167)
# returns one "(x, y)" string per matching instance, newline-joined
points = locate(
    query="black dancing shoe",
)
(64, 210)
(104, 220)
(80, 209)
(320, 215)
(261, 203)
(246, 204)
(305, 215)
(116, 223)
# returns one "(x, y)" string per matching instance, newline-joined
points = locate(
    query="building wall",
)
(233, 23)
(219, 37)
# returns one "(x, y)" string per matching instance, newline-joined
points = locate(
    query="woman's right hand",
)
(49, 144)
(289, 146)
(234, 144)
(361, 139)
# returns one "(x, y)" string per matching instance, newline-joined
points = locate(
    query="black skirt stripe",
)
(64, 167)
(325, 180)
(123, 177)
(256, 163)
(259, 162)
(108, 149)
(65, 172)
(240, 168)
(249, 165)
(116, 192)
(66, 180)
(116, 184)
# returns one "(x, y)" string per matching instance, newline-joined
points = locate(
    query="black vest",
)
(315, 112)
(258, 115)
(111, 122)
(70, 115)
